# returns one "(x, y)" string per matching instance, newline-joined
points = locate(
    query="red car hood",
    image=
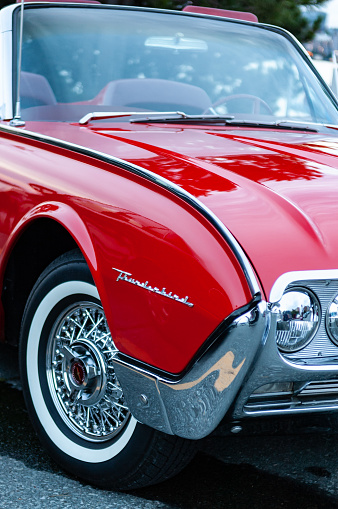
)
(276, 191)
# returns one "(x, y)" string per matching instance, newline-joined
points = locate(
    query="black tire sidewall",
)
(112, 469)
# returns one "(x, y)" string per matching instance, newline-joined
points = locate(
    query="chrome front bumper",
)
(228, 375)
(243, 374)
(193, 407)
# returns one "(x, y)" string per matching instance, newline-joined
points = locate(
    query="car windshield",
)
(77, 60)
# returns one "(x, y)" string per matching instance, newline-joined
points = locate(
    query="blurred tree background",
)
(288, 14)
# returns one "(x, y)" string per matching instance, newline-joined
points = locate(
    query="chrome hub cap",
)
(80, 374)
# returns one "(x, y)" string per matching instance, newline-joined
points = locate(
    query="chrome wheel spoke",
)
(81, 376)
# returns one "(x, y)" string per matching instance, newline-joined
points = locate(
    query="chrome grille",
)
(321, 347)
(312, 395)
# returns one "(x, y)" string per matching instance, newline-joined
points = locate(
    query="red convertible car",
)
(168, 243)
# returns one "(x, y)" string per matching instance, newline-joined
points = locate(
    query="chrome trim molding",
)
(193, 407)
(303, 397)
(101, 115)
(160, 181)
(300, 275)
(6, 92)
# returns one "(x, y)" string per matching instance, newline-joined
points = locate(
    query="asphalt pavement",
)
(275, 472)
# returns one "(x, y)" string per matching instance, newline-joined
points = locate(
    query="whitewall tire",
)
(72, 394)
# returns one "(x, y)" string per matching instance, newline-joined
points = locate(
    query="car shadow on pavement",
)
(208, 482)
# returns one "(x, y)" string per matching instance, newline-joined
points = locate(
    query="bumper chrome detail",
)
(274, 368)
(193, 407)
(321, 395)
(235, 370)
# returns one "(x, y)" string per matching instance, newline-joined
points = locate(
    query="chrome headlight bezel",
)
(330, 333)
(309, 307)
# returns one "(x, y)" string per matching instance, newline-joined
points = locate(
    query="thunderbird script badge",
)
(126, 276)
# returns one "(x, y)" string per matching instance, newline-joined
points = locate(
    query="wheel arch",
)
(48, 231)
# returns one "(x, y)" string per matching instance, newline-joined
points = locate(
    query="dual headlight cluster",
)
(298, 319)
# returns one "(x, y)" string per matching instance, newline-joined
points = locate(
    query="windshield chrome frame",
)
(6, 59)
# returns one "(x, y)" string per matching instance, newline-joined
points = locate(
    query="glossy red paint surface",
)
(274, 190)
(121, 221)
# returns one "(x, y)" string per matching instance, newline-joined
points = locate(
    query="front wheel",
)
(72, 394)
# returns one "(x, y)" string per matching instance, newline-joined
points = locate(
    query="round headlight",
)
(332, 320)
(298, 318)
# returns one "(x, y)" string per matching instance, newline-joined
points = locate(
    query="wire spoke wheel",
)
(73, 396)
(80, 374)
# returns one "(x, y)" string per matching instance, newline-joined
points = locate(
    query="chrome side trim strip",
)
(301, 275)
(160, 181)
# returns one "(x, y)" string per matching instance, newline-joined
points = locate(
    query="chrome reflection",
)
(332, 320)
(298, 318)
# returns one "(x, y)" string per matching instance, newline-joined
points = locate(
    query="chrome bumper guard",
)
(193, 407)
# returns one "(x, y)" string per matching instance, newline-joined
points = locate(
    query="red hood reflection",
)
(276, 191)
